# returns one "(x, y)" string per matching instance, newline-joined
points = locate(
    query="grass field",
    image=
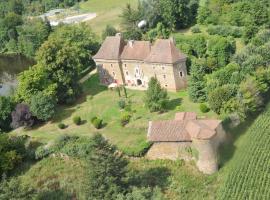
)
(104, 104)
(108, 12)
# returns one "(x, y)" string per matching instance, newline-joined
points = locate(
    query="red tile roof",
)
(136, 50)
(111, 48)
(164, 51)
(185, 127)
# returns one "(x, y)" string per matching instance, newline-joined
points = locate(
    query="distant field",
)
(108, 12)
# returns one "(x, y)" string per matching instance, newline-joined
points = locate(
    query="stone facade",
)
(171, 139)
(138, 61)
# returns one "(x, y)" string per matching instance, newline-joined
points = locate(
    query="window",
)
(113, 74)
(137, 71)
(163, 68)
(127, 73)
(164, 76)
(166, 85)
(111, 65)
(154, 67)
(181, 74)
(125, 65)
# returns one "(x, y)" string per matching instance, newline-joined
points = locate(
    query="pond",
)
(10, 67)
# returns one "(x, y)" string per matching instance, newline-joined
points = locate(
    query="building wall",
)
(208, 151)
(110, 71)
(136, 73)
(169, 150)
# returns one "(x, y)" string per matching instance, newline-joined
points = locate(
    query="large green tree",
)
(107, 170)
(6, 107)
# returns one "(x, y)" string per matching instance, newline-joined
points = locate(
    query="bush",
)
(93, 119)
(204, 108)
(43, 106)
(122, 104)
(195, 29)
(125, 118)
(77, 120)
(97, 123)
(138, 151)
(22, 117)
(61, 126)
(42, 152)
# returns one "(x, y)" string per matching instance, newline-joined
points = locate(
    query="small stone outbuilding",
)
(172, 138)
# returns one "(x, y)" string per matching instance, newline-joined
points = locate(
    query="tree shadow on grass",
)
(173, 103)
(92, 86)
(228, 148)
(153, 177)
(55, 195)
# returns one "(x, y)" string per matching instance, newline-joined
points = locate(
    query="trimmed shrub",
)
(125, 118)
(77, 120)
(122, 104)
(93, 119)
(61, 126)
(97, 123)
(204, 108)
(195, 29)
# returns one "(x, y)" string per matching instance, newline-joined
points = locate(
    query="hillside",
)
(108, 12)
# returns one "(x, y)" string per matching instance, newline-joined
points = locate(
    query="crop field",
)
(249, 174)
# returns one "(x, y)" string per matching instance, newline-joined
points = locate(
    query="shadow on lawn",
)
(152, 177)
(173, 103)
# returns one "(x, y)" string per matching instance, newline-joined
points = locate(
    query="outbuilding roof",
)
(184, 128)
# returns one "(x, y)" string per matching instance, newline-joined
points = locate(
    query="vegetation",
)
(77, 120)
(97, 123)
(61, 126)
(248, 169)
(42, 106)
(6, 107)
(22, 116)
(156, 97)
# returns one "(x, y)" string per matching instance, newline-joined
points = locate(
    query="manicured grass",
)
(104, 104)
(108, 12)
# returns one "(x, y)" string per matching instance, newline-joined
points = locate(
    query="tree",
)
(156, 97)
(109, 31)
(43, 106)
(107, 169)
(219, 96)
(6, 107)
(22, 116)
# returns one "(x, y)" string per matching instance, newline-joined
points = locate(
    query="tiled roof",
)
(136, 50)
(164, 51)
(111, 48)
(185, 127)
(167, 131)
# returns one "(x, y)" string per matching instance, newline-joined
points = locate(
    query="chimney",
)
(118, 34)
(172, 40)
(131, 43)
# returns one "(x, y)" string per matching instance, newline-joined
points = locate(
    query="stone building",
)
(133, 63)
(173, 138)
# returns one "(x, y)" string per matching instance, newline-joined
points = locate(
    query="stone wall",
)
(110, 71)
(169, 150)
(208, 151)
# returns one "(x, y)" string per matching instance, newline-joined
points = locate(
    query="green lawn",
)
(104, 104)
(108, 12)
